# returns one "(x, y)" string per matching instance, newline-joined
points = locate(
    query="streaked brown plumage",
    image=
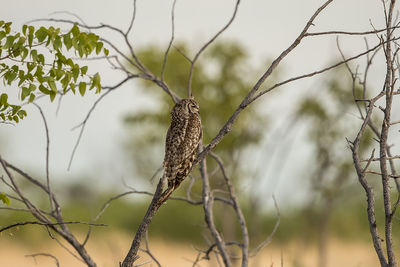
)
(183, 138)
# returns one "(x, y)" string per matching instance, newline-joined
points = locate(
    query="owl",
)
(183, 138)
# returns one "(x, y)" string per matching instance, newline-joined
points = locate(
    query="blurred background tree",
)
(223, 77)
(330, 115)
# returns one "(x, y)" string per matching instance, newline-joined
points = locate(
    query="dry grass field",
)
(110, 249)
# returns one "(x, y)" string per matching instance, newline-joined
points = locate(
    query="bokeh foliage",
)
(331, 115)
(222, 77)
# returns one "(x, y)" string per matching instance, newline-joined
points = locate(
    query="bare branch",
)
(47, 155)
(209, 216)
(46, 224)
(247, 100)
(170, 42)
(82, 125)
(132, 256)
(375, 31)
(46, 255)
(238, 211)
(268, 240)
(189, 90)
(311, 74)
(148, 252)
(133, 18)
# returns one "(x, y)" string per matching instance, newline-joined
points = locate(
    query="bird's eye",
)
(193, 107)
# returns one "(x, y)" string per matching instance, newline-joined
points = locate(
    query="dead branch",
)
(82, 125)
(247, 100)
(245, 235)
(385, 156)
(193, 62)
(268, 240)
(45, 255)
(46, 224)
(170, 42)
(208, 200)
(132, 256)
(47, 155)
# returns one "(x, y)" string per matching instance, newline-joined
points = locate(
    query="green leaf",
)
(24, 28)
(32, 87)
(106, 52)
(3, 99)
(70, 63)
(82, 88)
(30, 66)
(65, 81)
(84, 70)
(25, 93)
(44, 90)
(4, 199)
(67, 41)
(59, 74)
(9, 42)
(30, 35)
(41, 34)
(21, 41)
(31, 98)
(52, 85)
(80, 51)
(22, 113)
(10, 76)
(40, 59)
(99, 46)
(39, 74)
(96, 83)
(2, 35)
(7, 27)
(22, 77)
(24, 53)
(72, 86)
(34, 55)
(75, 72)
(15, 109)
(93, 37)
(52, 96)
(75, 30)
(57, 44)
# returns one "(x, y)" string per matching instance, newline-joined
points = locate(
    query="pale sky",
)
(264, 27)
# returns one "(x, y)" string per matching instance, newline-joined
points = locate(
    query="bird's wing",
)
(175, 138)
(191, 140)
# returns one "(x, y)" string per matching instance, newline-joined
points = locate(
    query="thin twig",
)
(133, 18)
(226, 26)
(46, 255)
(238, 211)
(170, 41)
(247, 100)
(209, 216)
(82, 125)
(46, 224)
(47, 155)
(268, 240)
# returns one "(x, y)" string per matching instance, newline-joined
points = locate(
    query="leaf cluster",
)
(36, 60)
(4, 199)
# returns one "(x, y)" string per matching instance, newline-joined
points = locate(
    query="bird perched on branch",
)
(183, 138)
